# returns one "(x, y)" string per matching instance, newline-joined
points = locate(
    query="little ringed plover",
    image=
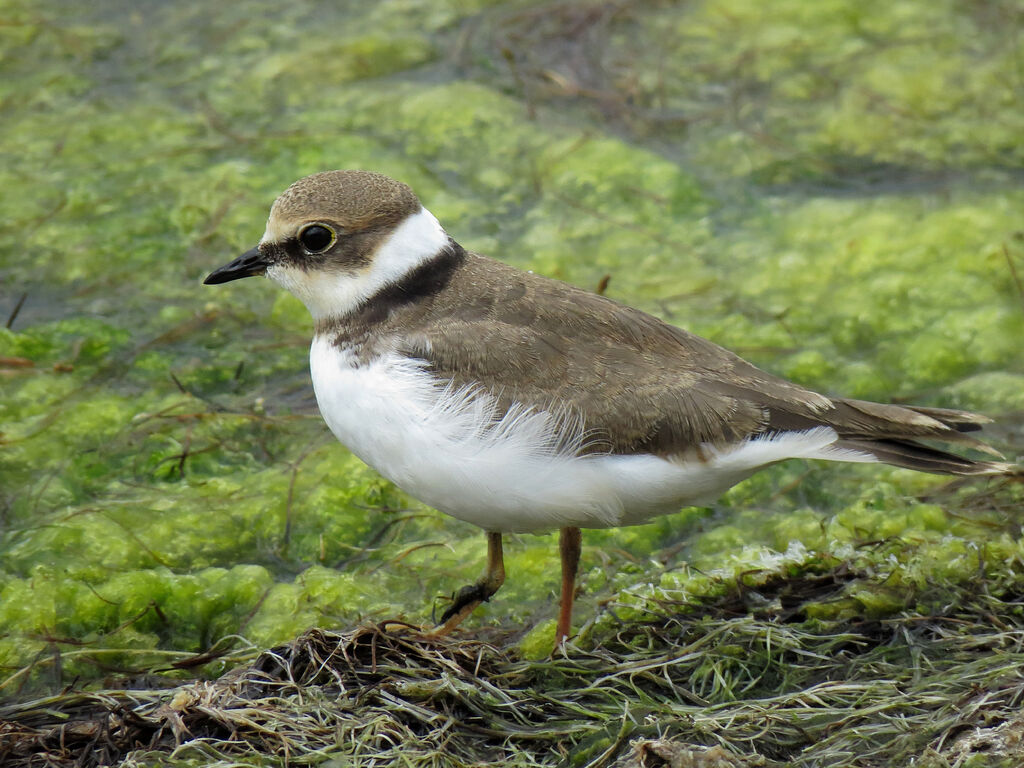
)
(520, 403)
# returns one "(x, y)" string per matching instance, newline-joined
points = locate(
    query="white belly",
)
(519, 472)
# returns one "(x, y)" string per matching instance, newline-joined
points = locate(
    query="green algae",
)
(832, 191)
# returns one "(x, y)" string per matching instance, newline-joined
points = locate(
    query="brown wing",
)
(637, 383)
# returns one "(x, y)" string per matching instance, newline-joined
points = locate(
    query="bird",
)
(520, 403)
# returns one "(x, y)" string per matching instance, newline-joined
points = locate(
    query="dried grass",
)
(708, 687)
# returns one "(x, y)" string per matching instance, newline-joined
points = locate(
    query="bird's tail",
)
(901, 445)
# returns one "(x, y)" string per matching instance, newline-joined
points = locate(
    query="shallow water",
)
(833, 190)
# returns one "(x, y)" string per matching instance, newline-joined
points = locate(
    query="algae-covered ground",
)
(833, 189)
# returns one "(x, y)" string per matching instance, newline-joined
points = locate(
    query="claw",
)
(471, 593)
(470, 596)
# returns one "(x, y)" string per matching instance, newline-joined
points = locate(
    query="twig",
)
(1013, 273)
(21, 301)
(291, 495)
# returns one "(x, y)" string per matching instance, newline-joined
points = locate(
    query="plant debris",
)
(691, 685)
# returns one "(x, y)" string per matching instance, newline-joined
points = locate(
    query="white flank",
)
(520, 471)
(328, 293)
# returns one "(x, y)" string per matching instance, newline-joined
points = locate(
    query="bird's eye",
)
(316, 238)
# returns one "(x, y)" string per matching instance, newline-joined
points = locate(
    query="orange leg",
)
(569, 546)
(469, 597)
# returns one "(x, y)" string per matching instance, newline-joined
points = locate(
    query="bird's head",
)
(334, 239)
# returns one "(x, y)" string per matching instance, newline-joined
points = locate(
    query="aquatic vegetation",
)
(832, 190)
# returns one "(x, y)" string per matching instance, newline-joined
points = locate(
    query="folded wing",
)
(639, 385)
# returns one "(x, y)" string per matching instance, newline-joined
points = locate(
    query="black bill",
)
(249, 264)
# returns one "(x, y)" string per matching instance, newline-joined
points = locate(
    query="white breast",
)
(519, 471)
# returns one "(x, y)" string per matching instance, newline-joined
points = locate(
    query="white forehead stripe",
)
(274, 232)
(329, 293)
(271, 234)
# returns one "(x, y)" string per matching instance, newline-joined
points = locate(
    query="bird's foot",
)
(468, 598)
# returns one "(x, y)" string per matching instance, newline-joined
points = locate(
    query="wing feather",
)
(634, 383)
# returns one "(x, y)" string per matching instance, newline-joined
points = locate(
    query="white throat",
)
(333, 294)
